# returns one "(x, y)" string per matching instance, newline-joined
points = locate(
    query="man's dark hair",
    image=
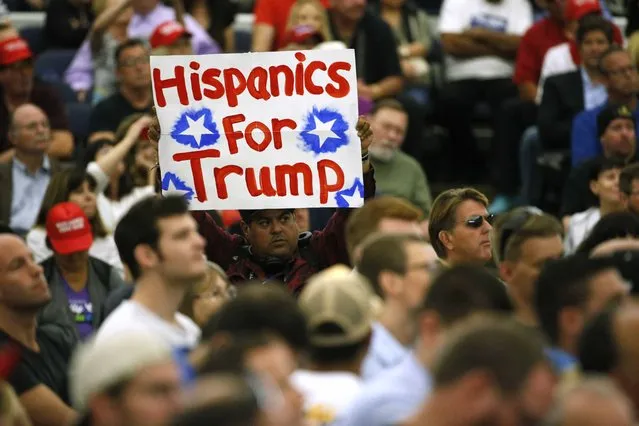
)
(499, 345)
(140, 226)
(628, 174)
(602, 59)
(597, 349)
(609, 227)
(230, 354)
(565, 283)
(127, 44)
(463, 290)
(592, 23)
(260, 308)
(385, 252)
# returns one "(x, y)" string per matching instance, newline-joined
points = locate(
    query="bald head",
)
(29, 130)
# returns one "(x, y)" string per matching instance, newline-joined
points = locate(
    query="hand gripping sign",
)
(259, 130)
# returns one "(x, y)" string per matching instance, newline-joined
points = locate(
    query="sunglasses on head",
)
(476, 221)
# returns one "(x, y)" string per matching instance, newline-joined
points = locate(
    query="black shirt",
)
(375, 48)
(47, 367)
(109, 113)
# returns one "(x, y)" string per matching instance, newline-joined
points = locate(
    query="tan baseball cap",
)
(338, 307)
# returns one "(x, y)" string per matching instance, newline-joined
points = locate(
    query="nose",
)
(36, 269)
(276, 227)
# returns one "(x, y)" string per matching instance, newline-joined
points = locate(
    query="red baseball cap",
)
(13, 50)
(167, 33)
(68, 229)
(303, 33)
(574, 10)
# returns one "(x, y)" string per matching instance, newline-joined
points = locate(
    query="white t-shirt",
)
(579, 228)
(558, 60)
(327, 395)
(130, 315)
(509, 17)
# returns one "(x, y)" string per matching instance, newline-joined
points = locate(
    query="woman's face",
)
(84, 196)
(211, 299)
(606, 187)
(102, 152)
(308, 14)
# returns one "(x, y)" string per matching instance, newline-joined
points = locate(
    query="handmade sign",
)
(259, 130)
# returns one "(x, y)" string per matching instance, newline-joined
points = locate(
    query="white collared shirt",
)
(384, 352)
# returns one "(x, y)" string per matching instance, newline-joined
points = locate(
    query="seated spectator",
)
(396, 173)
(612, 226)
(133, 95)
(67, 23)
(79, 283)
(616, 127)
(207, 296)
(622, 84)
(567, 94)
(524, 240)
(25, 178)
(148, 14)
(170, 38)
(107, 32)
(19, 87)
(629, 187)
(310, 14)
(216, 17)
(271, 18)
(604, 184)
(459, 227)
(40, 378)
(73, 185)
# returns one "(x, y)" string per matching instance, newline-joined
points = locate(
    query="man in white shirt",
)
(399, 267)
(338, 309)
(159, 242)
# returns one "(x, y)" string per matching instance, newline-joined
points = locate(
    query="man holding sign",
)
(264, 133)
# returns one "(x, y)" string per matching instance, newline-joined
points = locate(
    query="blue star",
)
(324, 131)
(178, 185)
(345, 196)
(196, 128)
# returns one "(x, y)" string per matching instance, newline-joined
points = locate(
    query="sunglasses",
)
(476, 221)
(514, 224)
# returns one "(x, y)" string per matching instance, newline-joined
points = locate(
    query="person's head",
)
(604, 182)
(339, 317)
(524, 240)
(208, 295)
(132, 64)
(611, 226)
(260, 308)
(171, 38)
(574, 11)
(12, 413)
(593, 401)
(351, 10)
(129, 378)
(29, 130)
(16, 67)
(159, 236)
(629, 187)
(616, 131)
(23, 288)
(569, 291)
(389, 122)
(271, 233)
(504, 357)
(69, 235)
(383, 214)
(399, 268)
(459, 226)
(76, 186)
(619, 74)
(594, 36)
(309, 13)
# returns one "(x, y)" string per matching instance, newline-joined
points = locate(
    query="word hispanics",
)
(261, 83)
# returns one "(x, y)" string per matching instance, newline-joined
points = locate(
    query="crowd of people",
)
(120, 306)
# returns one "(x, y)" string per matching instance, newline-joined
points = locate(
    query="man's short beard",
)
(382, 153)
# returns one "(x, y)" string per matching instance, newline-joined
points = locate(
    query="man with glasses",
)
(523, 241)
(133, 95)
(400, 268)
(460, 226)
(18, 87)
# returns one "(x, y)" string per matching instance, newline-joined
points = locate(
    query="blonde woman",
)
(207, 297)
(309, 13)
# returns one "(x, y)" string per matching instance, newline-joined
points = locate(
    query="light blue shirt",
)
(594, 94)
(27, 194)
(384, 352)
(392, 397)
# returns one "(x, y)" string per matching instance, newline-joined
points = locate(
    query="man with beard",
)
(396, 173)
(40, 377)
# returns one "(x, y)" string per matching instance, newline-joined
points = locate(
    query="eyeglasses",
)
(514, 224)
(476, 221)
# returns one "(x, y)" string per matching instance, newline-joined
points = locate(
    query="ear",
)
(145, 256)
(389, 282)
(506, 269)
(245, 230)
(446, 238)
(594, 187)
(430, 328)
(571, 321)
(103, 410)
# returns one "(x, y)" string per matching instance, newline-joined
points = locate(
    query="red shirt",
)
(543, 35)
(275, 13)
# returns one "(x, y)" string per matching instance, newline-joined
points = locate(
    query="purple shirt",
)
(81, 308)
(79, 75)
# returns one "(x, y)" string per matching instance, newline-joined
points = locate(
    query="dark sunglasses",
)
(514, 224)
(476, 221)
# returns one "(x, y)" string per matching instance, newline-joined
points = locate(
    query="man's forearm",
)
(465, 46)
(390, 86)
(506, 44)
